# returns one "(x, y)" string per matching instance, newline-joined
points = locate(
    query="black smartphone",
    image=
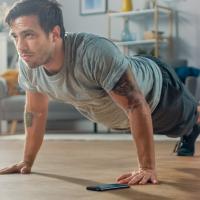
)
(104, 187)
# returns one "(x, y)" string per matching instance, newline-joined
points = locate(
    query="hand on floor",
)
(141, 177)
(21, 168)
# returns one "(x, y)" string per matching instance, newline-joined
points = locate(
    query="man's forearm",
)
(35, 128)
(142, 130)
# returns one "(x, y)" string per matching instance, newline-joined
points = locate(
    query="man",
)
(127, 93)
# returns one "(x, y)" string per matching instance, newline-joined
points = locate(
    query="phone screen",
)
(104, 187)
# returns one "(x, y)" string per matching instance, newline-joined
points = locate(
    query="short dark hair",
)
(49, 13)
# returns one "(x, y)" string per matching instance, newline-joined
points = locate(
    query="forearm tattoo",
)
(28, 119)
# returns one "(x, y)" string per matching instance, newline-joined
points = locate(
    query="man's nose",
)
(21, 45)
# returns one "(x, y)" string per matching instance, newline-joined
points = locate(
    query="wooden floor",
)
(63, 169)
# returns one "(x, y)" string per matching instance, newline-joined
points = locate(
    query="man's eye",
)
(13, 37)
(29, 35)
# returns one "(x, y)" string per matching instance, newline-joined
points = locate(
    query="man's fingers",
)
(9, 170)
(126, 180)
(124, 176)
(20, 167)
(145, 180)
(135, 179)
(142, 176)
(4, 170)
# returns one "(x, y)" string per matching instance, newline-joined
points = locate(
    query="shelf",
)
(138, 42)
(151, 16)
(138, 13)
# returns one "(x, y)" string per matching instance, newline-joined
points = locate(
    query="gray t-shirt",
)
(92, 67)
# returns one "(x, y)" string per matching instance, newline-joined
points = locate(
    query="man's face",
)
(34, 46)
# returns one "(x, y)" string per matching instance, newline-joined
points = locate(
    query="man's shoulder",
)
(79, 35)
(82, 38)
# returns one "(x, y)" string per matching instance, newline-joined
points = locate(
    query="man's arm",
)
(128, 96)
(35, 114)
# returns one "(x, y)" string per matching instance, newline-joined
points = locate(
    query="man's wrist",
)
(147, 168)
(28, 162)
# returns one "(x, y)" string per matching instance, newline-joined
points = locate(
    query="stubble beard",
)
(40, 61)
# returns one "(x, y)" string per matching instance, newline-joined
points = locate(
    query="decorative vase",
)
(147, 4)
(126, 34)
(126, 5)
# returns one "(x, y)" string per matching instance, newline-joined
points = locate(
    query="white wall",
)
(76, 23)
(187, 32)
(188, 24)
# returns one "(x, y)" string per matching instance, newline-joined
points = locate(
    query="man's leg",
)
(176, 114)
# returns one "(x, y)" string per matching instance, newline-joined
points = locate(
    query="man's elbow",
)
(137, 104)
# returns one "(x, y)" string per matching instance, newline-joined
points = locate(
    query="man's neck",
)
(57, 62)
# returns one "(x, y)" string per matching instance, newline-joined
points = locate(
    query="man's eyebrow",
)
(22, 32)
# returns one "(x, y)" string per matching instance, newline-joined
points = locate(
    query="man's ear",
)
(56, 33)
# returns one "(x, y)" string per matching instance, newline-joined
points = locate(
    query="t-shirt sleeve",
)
(105, 62)
(25, 80)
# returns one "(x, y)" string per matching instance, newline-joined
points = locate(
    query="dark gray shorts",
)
(176, 113)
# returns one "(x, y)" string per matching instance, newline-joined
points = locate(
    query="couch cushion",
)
(12, 108)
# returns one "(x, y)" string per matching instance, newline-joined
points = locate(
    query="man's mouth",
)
(26, 57)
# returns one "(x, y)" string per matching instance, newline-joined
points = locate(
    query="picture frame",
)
(92, 7)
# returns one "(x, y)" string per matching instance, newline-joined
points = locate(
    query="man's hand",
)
(141, 177)
(21, 168)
